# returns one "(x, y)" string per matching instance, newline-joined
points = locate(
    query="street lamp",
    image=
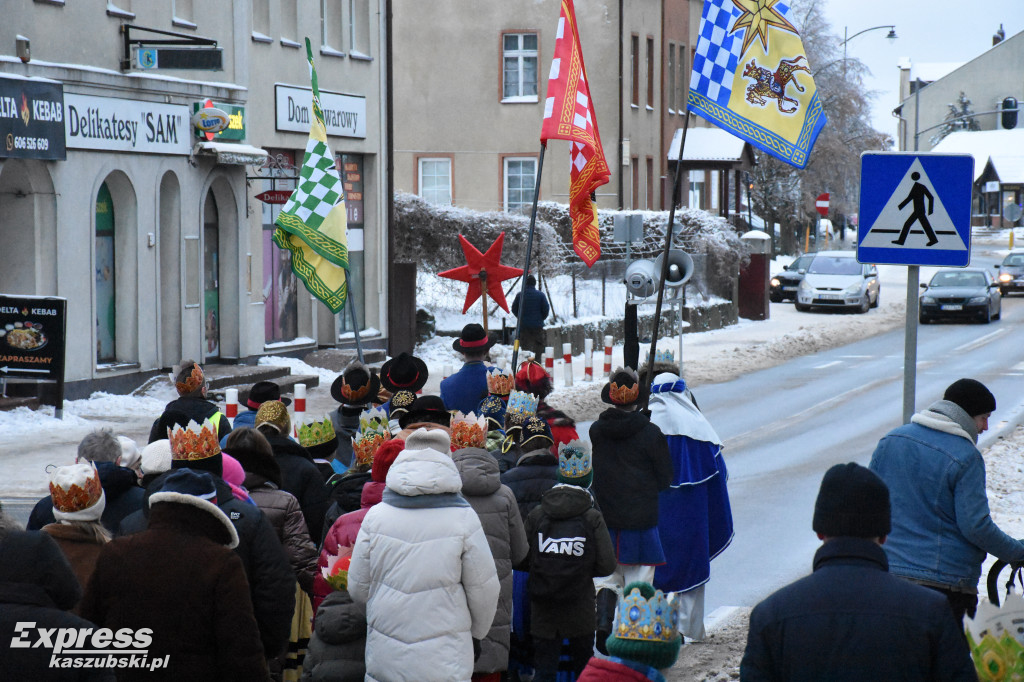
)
(847, 38)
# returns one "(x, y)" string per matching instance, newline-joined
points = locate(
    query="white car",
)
(835, 279)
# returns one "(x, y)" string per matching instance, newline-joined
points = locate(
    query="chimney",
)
(999, 36)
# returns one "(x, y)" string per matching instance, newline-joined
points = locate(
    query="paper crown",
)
(274, 413)
(316, 433)
(500, 382)
(574, 459)
(468, 431)
(521, 405)
(194, 442)
(664, 356)
(373, 430)
(646, 620)
(193, 382)
(336, 570)
(623, 395)
(374, 419)
(75, 488)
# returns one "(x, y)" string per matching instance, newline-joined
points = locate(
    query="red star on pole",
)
(476, 263)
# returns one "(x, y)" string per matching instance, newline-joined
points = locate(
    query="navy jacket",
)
(120, 488)
(535, 308)
(851, 620)
(466, 388)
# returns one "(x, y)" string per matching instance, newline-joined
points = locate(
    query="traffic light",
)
(1009, 116)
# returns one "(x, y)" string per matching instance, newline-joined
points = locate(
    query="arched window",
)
(106, 319)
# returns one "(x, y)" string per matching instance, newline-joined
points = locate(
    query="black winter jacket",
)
(576, 617)
(197, 409)
(534, 473)
(851, 620)
(120, 488)
(37, 587)
(631, 466)
(266, 563)
(300, 477)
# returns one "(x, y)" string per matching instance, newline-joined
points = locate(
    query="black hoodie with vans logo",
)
(569, 547)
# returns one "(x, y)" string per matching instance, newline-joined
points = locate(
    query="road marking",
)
(1018, 367)
(971, 345)
(829, 364)
(856, 357)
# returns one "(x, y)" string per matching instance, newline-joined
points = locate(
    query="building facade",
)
(150, 230)
(468, 110)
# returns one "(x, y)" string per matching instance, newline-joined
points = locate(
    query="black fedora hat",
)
(404, 372)
(261, 392)
(473, 339)
(426, 408)
(623, 388)
(356, 386)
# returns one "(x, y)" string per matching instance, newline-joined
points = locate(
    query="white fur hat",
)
(76, 493)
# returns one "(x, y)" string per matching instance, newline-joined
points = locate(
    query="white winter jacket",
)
(422, 566)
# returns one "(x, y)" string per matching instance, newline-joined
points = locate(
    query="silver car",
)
(835, 279)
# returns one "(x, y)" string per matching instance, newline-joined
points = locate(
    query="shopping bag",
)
(996, 633)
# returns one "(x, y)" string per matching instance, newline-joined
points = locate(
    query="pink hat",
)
(233, 471)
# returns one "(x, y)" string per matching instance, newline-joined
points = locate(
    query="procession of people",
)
(485, 540)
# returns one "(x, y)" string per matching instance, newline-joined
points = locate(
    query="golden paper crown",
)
(316, 433)
(468, 431)
(623, 395)
(500, 382)
(194, 381)
(644, 620)
(194, 442)
(75, 497)
(275, 413)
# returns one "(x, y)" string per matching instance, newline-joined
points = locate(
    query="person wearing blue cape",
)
(694, 518)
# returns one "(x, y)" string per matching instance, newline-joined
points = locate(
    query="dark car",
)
(968, 294)
(1011, 273)
(783, 285)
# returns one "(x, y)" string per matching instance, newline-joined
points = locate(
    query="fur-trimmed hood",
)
(192, 501)
(948, 417)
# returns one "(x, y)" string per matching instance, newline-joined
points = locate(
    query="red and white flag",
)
(569, 115)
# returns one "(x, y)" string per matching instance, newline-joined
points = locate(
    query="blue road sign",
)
(915, 208)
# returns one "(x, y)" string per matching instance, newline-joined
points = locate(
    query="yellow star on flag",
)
(757, 16)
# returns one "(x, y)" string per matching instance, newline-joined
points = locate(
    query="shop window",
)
(106, 286)
(435, 181)
(352, 167)
(519, 67)
(520, 181)
(280, 285)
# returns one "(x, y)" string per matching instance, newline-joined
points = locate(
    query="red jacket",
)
(617, 670)
(343, 534)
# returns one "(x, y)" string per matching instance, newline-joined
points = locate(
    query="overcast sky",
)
(927, 30)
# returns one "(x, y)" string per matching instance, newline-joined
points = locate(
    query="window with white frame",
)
(290, 23)
(520, 182)
(261, 21)
(331, 35)
(714, 189)
(696, 199)
(359, 28)
(181, 13)
(519, 67)
(435, 181)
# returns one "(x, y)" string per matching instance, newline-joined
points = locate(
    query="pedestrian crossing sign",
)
(915, 208)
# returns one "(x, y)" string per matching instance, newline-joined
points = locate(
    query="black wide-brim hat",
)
(356, 386)
(625, 380)
(425, 408)
(261, 392)
(404, 372)
(473, 340)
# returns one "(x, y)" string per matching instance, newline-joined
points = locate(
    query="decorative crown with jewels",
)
(521, 405)
(574, 459)
(194, 442)
(374, 419)
(664, 356)
(316, 433)
(644, 620)
(400, 402)
(468, 431)
(500, 382)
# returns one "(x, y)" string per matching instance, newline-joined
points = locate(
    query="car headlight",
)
(775, 282)
(805, 286)
(853, 289)
(930, 300)
(1005, 277)
(976, 300)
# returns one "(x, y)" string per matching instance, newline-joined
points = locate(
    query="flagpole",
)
(526, 265)
(676, 192)
(352, 310)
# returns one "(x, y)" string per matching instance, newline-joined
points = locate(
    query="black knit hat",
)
(972, 396)
(853, 501)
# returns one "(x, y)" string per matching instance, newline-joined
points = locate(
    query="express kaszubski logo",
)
(90, 647)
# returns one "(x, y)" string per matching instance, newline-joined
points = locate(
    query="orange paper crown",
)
(194, 381)
(365, 447)
(500, 382)
(623, 395)
(74, 497)
(468, 431)
(194, 441)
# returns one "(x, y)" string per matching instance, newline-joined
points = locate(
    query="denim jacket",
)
(941, 527)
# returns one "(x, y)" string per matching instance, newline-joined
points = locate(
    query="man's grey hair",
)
(99, 446)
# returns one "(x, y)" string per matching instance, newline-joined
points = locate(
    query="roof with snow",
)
(1010, 169)
(982, 145)
(932, 71)
(707, 144)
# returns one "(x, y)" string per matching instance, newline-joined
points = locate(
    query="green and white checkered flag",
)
(312, 223)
